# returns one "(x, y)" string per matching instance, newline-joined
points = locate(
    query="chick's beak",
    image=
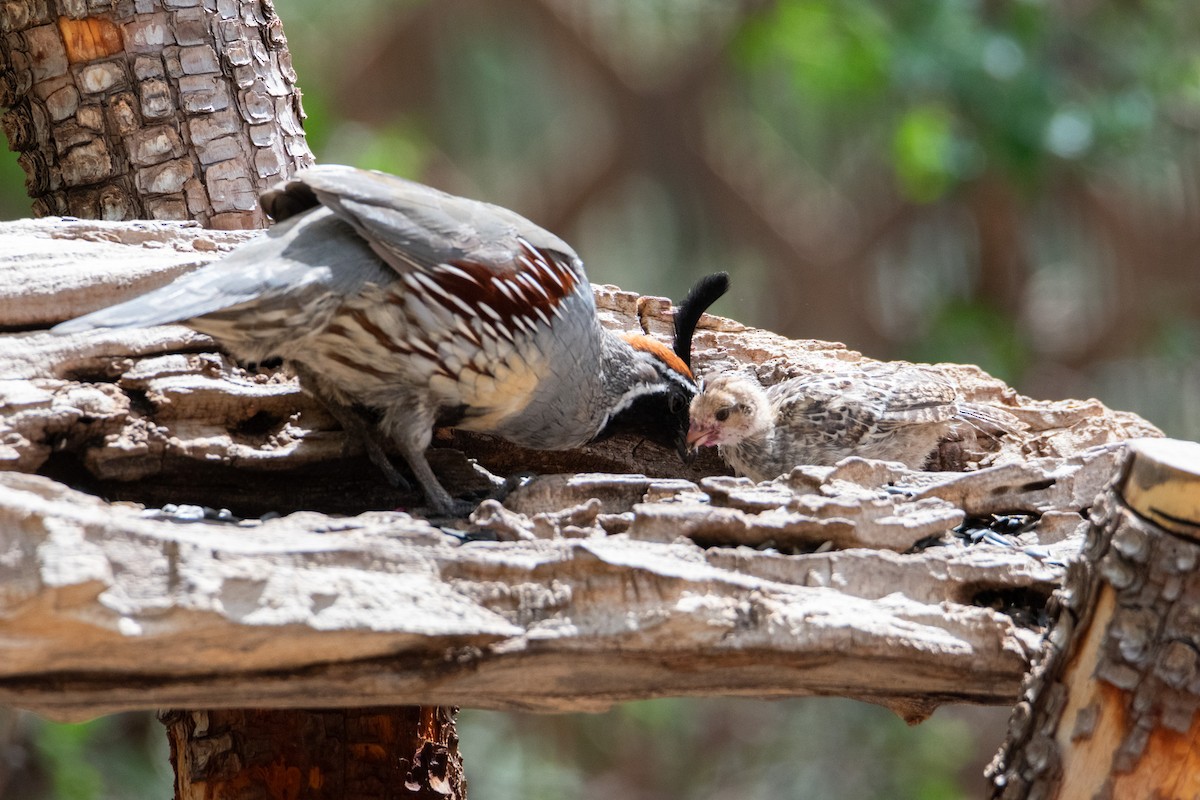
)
(698, 436)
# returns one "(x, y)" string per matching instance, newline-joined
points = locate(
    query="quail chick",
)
(890, 415)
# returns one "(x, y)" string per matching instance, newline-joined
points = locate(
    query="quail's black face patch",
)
(660, 417)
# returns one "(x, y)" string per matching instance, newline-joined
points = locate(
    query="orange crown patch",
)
(659, 350)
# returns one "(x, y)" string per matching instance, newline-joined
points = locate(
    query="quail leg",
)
(440, 501)
(410, 430)
(358, 428)
(355, 427)
(410, 426)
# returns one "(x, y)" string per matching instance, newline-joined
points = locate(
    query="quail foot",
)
(887, 414)
(402, 307)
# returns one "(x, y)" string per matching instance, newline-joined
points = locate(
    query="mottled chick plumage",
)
(886, 414)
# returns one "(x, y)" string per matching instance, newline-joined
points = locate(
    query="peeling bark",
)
(105, 608)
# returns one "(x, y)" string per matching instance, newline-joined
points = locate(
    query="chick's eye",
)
(722, 414)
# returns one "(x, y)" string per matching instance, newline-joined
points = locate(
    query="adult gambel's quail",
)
(883, 413)
(404, 306)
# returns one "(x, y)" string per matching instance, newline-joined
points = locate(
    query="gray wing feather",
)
(410, 225)
(338, 223)
(292, 259)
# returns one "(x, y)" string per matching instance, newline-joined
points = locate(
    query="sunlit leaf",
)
(923, 149)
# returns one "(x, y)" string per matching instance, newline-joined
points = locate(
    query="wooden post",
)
(150, 110)
(1109, 711)
(350, 754)
(189, 110)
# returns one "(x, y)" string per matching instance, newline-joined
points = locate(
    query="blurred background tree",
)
(1013, 184)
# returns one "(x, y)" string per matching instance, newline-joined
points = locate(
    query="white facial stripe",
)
(628, 399)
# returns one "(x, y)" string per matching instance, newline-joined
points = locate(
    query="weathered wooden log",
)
(1110, 708)
(106, 608)
(579, 591)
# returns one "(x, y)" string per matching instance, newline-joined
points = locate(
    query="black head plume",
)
(703, 294)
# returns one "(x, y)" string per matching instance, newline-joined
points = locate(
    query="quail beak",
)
(687, 453)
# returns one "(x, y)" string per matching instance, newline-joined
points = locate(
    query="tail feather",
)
(291, 261)
(179, 300)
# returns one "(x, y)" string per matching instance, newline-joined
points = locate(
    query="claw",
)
(511, 484)
(449, 508)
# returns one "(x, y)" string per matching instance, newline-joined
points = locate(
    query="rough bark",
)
(149, 109)
(577, 592)
(107, 608)
(1109, 710)
(350, 754)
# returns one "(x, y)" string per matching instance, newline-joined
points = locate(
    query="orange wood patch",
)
(1168, 769)
(89, 39)
(1087, 760)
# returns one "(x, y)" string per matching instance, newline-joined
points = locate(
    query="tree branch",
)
(580, 591)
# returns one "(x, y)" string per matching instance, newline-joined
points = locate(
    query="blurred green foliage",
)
(1026, 88)
(14, 202)
(926, 152)
(819, 748)
(63, 751)
(110, 758)
(973, 333)
(1087, 115)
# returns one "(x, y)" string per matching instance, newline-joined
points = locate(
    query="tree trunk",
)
(180, 110)
(1110, 709)
(150, 110)
(351, 754)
